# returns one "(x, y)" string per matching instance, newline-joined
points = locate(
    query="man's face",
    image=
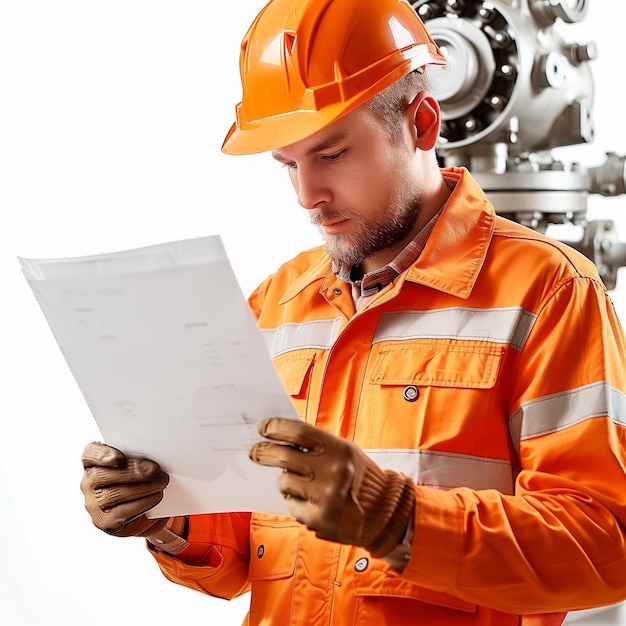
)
(360, 186)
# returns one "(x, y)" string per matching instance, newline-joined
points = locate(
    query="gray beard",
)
(352, 250)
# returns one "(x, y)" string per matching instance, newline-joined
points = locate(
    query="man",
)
(460, 379)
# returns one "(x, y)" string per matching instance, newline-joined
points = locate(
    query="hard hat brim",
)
(280, 131)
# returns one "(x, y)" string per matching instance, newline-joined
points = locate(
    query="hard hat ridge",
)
(305, 63)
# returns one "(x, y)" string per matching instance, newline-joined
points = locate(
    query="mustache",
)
(317, 217)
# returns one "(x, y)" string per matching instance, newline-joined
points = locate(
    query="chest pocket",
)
(427, 392)
(433, 364)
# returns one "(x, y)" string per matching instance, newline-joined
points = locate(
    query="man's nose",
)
(311, 188)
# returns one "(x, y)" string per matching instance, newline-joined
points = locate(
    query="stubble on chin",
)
(367, 239)
(342, 248)
(352, 249)
(342, 251)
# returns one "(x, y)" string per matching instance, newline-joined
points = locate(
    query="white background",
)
(112, 116)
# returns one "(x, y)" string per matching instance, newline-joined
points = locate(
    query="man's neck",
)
(384, 257)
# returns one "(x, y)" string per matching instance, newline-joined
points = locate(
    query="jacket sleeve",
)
(559, 541)
(216, 561)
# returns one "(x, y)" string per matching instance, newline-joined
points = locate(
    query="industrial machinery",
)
(513, 90)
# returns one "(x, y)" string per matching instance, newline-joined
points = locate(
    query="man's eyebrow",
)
(278, 156)
(323, 146)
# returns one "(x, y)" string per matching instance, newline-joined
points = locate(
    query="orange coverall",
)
(493, 373)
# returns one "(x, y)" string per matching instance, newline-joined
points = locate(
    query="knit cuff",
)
(388, 499)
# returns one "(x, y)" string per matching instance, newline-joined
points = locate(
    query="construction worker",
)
(460, 379)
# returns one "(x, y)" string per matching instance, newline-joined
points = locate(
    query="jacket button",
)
(260, 551)
(337, 291)
(361, 565)
(411, 393)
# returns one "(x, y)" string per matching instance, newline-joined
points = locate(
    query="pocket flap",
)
(273, 548)
(293, 369)
(379, 583)
(430, 363)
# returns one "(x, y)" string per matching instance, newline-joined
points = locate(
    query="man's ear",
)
(425, 116)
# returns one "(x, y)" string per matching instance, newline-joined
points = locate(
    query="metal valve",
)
(513, 91)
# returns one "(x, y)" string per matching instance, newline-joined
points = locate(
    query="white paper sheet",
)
(169, 359)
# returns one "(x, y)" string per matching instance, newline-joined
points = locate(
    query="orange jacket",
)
(493, 373)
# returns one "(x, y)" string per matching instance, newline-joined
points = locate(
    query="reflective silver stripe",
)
(504, 325)
(562, 410)
(447, 470)
(510, 325)
(320, 334)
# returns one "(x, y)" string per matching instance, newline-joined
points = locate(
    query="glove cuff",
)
(388, 500)
(170, 539)
(141, 526)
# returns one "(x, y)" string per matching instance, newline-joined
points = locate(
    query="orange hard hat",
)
(305, 63)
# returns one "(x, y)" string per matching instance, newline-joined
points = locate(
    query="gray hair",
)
(390, 104)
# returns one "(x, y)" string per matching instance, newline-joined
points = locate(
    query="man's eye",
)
(290, 166)
(333, 157)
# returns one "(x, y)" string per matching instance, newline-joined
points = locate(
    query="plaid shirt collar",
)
(373, 282)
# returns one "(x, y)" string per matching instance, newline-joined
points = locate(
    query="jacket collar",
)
(456, 249)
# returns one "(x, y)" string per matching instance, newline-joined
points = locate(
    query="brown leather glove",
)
(334, 488)
(118, 491)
